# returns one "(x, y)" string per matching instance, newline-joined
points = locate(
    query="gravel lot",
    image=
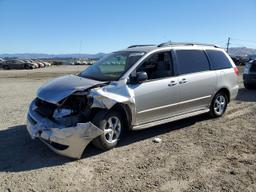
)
(196, 154)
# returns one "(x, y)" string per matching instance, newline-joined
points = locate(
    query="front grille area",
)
(44, 108)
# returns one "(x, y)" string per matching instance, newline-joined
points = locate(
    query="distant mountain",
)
(50, 56)
(241, 51)
(233, 51)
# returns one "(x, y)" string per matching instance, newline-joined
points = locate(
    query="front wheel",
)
(111, 122)
(219, 105)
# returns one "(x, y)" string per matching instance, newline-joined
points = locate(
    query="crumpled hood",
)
(61, 87)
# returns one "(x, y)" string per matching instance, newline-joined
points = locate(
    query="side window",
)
(191, 61)
(218, 60)
(158, 65)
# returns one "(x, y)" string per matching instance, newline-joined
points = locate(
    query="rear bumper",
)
(67, 141)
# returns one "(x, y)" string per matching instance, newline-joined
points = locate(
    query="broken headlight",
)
(62, 112)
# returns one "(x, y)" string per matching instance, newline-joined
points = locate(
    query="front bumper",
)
(67, 141)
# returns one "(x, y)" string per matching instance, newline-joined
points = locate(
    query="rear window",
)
(218, 60)
(191, 61)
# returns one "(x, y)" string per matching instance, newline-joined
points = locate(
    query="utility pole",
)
(80, 48)
(228, 44)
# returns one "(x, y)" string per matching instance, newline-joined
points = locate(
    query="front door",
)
(157, 97)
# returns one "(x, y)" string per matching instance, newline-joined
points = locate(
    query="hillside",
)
(234, 51)
(241, 51)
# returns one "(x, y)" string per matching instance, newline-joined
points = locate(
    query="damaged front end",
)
(61, 114)
(61, 118)
(65, 130)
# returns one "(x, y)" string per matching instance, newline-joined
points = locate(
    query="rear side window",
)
(192, 61)
(218, 60)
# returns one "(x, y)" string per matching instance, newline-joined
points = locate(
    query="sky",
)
(92, 26)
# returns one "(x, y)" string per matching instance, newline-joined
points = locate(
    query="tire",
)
(248, 86)
(218, 105)
(110, 138)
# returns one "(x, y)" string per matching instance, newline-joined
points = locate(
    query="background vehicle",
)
(17, 64)
(40, 64)
(47, 64)
(1, 62)
(32, 63)
(249, 75)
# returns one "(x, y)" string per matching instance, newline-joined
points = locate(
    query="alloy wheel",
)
(220, 105)
(112, 130)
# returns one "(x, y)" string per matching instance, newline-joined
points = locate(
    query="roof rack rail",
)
(133, 46)
(169, 43)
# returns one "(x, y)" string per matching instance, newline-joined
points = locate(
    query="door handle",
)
(183, 81)
(172, 83)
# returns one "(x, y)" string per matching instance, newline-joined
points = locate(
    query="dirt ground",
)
(196, 154)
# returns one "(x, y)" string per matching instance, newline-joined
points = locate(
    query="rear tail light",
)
(236, 70)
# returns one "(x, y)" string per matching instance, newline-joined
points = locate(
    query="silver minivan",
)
(136, 88)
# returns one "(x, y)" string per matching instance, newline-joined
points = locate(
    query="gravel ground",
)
(195, 154)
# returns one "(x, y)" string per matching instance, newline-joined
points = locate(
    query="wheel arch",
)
(125, 111)
(226, 91)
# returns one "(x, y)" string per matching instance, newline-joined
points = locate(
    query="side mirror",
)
(141, 76)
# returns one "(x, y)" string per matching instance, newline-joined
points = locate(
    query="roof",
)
(148, 48)
(143, 48)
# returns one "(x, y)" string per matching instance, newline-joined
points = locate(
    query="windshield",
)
(112, 66)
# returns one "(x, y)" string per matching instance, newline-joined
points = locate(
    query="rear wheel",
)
(111, 122)
(219, 104)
